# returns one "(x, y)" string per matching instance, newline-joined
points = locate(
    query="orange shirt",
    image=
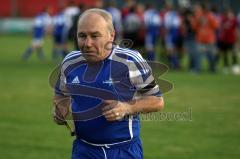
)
(205, 26)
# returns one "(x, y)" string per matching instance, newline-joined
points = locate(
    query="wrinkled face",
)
(94, 37)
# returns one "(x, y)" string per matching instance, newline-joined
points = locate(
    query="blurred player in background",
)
(60, 30)
(172, 25)
(70, 11)
(132, 25)
(152, 22)
(227, 40)
(117, 19)
(42, 24)
(205, 25)
(82, 8)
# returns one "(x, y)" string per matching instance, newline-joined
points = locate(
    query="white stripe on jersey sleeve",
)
(133, 74)
(70, 55)
(136, 55)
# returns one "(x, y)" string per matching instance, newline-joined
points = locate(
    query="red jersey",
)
(227, 30)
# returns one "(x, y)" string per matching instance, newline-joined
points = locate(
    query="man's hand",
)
(115, 110)
(60, 109)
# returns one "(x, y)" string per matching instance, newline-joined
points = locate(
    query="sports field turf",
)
(27, 130)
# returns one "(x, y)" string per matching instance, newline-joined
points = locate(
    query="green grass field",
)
(27, 130)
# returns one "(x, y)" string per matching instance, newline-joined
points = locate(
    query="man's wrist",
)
(129, 108)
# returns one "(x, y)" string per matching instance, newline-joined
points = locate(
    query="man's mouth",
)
(89, 53)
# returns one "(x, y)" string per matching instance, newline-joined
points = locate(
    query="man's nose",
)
(88, 42)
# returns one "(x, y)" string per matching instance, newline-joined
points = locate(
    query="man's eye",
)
(81, 36)
(95, 36)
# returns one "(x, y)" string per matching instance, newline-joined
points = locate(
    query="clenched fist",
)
(61, 106)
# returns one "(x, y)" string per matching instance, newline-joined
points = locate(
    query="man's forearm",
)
(115, 110)
(146, 105)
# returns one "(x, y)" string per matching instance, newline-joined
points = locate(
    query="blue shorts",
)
(59, 39)
(130, 150)
(150, 41)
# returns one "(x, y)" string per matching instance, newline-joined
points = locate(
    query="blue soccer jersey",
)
(152, 21)
(39, 25)
(123, 76)
(59, 28)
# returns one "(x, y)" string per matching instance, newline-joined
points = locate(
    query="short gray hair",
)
(106, 16)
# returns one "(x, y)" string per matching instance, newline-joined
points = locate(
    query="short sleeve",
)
(140, 74)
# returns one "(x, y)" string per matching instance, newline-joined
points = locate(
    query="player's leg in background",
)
(29, 51)
(225, 60)
(40, 52)
(235, 66)
(64, 49)
(149, 45)
(55, 48)
(211, 56)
